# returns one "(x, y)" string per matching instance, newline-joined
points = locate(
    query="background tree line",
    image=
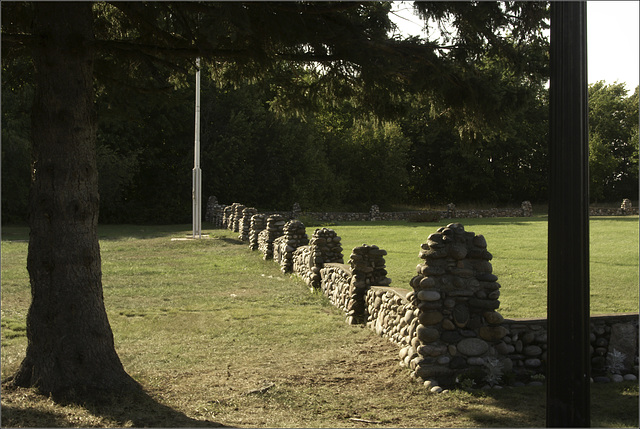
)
(335, 157)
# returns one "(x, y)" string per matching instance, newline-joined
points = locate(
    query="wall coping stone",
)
(344, 267)
(401, 292)
(622, 317)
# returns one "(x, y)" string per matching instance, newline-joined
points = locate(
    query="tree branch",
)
(186, 52)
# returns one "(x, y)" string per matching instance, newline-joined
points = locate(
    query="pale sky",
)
(612, 42)
(612, 39)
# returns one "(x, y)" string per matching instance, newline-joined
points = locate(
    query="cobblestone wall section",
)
(391, 315)
(215, 212)
(244, 225)
(258, 224)
(324, 247)
(274, 229)
(284, 246)
(614, 343)
(525, 210)
(347, 285)
(335, 284)
(304, 267)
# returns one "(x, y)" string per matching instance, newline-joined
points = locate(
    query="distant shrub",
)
(429, 216)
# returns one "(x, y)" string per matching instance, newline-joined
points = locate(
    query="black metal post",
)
(568, 357)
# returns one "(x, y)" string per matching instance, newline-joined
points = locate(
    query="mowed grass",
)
(519, 249)
(216, 335)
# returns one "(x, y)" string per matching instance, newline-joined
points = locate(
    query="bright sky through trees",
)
(612, 39)
(612, 42)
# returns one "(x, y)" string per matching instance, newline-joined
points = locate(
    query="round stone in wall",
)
(473, 347)
(492, 333)
(461, 315)
(532, 351)
(428, 295)
(427, 335)
(493, 317)
(430, 317)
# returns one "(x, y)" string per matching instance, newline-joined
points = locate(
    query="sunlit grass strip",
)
(519, 249)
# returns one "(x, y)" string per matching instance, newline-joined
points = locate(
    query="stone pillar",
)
(258, 224)
(456, 295)
(527, 209)
(244, 225)
(626, 206)
(374, 213)
(215, 212)
(295, 212)
(368, 269)
(284, 246)
(451, 210)
(237, 216)
(326, 247)
(273, 230)
(227, 217)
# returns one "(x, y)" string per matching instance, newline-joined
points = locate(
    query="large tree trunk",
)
(70, 349)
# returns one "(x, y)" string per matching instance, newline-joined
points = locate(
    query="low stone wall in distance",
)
(222, 216)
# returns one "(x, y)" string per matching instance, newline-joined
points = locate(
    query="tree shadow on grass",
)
(612, 405)
(230, 240)
(132, 409)
(142, 410)
(13, 416)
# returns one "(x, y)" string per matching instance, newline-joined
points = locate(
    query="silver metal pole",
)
(197, 173)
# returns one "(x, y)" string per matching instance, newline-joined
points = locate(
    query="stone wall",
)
(377, 215)
(324, 247)
(274, 228)
(447, 328)
(449, 331)
(218, 216)
(257, 225)
(346, 286)
(244, 224)
(614, 344)
(293, 237)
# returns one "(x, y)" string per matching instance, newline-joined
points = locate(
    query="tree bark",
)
(70, 351)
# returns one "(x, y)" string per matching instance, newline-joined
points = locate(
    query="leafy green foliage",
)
(287, 109)
(613, 141)
(327, 161)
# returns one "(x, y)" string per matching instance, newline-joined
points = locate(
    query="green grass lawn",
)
(215, 334)
(519, 249)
